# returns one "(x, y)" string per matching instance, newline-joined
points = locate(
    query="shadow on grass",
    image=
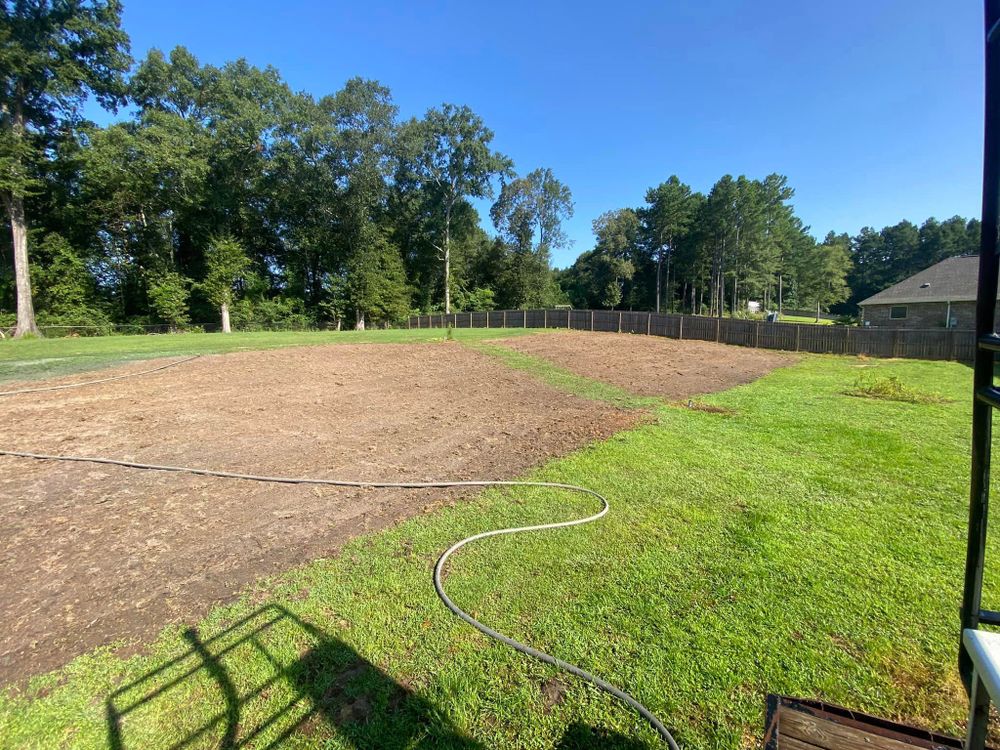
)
(582, 737)
(273, 675)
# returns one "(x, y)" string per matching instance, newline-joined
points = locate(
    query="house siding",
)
(922, 315)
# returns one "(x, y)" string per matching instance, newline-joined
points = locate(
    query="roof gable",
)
(952, 280)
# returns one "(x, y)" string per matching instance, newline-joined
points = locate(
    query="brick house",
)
(942, 296)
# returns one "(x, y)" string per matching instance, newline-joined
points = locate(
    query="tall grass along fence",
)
(940, 343)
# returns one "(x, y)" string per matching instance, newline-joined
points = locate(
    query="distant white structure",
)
(753, 306)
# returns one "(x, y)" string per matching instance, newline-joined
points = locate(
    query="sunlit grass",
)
(35, 358)
(802, 541)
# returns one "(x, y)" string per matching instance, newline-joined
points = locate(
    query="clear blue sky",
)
(873, 108)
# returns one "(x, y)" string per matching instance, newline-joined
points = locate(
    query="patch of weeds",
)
(891, 388)
(702, 406)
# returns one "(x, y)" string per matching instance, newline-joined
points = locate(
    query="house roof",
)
(952, 280)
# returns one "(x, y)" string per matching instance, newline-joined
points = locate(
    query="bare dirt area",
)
(650, 365)
(92, 554)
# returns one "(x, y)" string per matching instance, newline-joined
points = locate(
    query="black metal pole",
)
(979, 497)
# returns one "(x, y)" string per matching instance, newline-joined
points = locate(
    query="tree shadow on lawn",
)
(312, 684)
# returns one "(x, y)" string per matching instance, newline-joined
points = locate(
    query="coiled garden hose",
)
(438, 567)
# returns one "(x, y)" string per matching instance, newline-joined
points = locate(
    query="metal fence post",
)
(718, 329)
(569, 318)
(680, 329)
(756, 335)
(545, 318)
(591, 320)
(649, 320)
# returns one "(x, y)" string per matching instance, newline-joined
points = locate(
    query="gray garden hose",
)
(438, 586)
(438, 567)
(43, 388)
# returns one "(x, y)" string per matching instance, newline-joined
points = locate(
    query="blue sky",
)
(872, 108)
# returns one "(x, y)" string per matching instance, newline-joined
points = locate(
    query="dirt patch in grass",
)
(650, 365)
(94, 553)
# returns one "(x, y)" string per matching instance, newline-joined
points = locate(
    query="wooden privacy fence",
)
(935, 343)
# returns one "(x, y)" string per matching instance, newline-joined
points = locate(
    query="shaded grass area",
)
(34, 359)
(805, 542)
(564, 379)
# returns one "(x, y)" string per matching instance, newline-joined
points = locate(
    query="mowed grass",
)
(30, 359)
(804, 542)
(805, 319)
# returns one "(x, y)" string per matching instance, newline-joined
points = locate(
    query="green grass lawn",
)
(805, 542)
(805, 319)
(28, 359)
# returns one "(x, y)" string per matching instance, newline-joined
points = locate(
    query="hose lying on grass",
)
(44, 388)
(438, 567)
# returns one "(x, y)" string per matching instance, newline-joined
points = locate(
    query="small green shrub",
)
(891, 388)
(450, 333)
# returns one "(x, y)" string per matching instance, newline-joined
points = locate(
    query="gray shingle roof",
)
(951, 280)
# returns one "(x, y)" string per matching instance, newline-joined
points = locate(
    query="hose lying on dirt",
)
(100, 380)
(439, 567)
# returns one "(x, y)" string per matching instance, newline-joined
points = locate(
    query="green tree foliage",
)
(599, 277)
(528, 215)
(169, 293)
(821, 272)
(52, 54)
(667, 217)
(450, 158)
(375, 281)
(347, 215)
(226, 267)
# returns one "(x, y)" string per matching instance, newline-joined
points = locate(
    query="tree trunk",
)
(359, 321)
(447, 260)
(224, 309)
(670, 295)
(19, 236)
(659, 266)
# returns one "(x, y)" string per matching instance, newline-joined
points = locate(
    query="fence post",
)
(952, 347)
(619, 321)
(649, 320)
(504, 318)
(569, 318)
(895, 342)
(718, 329)
(545, 318)
(680, 329)
(756, 335)
(524, 318)
(798, 335)
(591, 320)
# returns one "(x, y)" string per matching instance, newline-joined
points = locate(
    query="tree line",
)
(712, 254)
(224, 196)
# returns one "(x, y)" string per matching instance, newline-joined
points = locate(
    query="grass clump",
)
(891, 388)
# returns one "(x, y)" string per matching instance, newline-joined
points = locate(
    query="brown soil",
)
(96, 553)
(650, 365)
(93, 554)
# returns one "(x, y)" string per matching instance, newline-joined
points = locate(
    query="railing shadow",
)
(583, 737)
(313, 684)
